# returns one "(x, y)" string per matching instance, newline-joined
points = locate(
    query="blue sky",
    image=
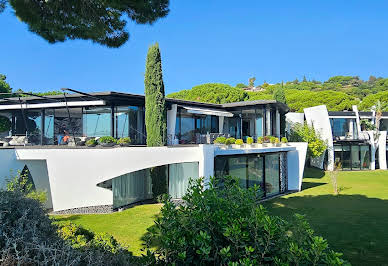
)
(210, 41)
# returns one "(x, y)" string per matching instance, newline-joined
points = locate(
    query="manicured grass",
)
(127, 226)
(355, 222)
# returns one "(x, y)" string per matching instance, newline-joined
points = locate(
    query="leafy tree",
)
(369, 101)
(4, 86)
(252, 82)
(305, 133)
(279, 95)
(155, 105)
(241, 86)
(226, 225)
(102, 21)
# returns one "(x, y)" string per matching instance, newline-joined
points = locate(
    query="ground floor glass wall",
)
(142, 185)
(256, 169)
(352, 156)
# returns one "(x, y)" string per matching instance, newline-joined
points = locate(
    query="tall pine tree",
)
(155, 113)
(279, 95)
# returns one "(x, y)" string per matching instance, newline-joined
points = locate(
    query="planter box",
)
(249, 146)
(125, 144)
(235, 146)
(107, 144)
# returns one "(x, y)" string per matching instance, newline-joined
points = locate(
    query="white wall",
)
(9, 165)
(295, 165)
(318, 117)
(383, 150)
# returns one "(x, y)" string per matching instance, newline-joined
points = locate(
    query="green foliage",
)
(266, 139)
(5, 124)
(91, 143)
(305, 133)
(211, 93)
(241, 86)
(103, 22)
(249, 140)
(4, 86)
(107, 140)
(22, 184)
(367, 125)
(230, 141)
(279, 95)
(159, 182)
(220, 140)
(226, 225)
(155, 106)
(239, 142)
(125, 140)
(284, 140)
(369, 101)
(260, 140)
(272, 140)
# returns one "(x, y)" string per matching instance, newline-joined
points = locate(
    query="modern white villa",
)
(85, 179)
(350, 143)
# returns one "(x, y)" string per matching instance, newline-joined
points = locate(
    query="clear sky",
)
(210, 41)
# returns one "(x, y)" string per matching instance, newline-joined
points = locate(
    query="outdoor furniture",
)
(18, 141)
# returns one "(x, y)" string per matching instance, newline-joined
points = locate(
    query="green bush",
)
(230, 141)
(249, 140)
(305, 133)
(5, 124)
(284, 140)
(226, 225)
(272, 140)
(91, 142)
(266, 139)
(126, 140)
(107, 140)
(277, 140)
(239, 142)
(220, 140)
(260, 140)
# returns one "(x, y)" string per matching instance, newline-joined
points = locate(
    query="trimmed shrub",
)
(107, 140)
(91, 143)
(226, 225)
(249, 140)
(260, 140)
(284, 140)
(239, 142)
(220, 140)
(230, 141)
(126, 140)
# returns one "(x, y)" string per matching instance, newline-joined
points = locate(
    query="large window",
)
(255, 169)
(344, 127)
(97, 121)
(130, 123)
(352, 156)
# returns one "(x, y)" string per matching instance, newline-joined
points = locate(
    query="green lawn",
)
(127, 226)
(354, 222)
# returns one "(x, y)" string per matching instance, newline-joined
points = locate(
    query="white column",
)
(351, 128)
(171, 123)
(221, 124)
(372, 150)
(268, 120)
(277, 123)
(382, 150)
(355, 109)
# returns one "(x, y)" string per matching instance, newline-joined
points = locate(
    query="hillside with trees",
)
(337, 93)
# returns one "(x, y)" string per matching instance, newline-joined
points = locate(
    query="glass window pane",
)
(365, 157)
(48, 127)
(355, 150)
(63, 125)
(272, 184)
(130, 123)
(97, 122)
(179, 177)
(346, 158)
(238, 169)
(255, 171)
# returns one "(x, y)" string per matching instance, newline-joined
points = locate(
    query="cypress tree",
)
(155, 106)
(279, 95)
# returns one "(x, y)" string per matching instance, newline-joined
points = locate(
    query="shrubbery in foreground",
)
(226, 225)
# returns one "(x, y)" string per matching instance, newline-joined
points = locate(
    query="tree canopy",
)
(102, 21)
(4, 86)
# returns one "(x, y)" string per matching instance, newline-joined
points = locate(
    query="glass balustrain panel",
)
(179, 177)
(355, 150)
(187, 127)
(238, 168)
(131, 188)
(272, 184)
(48, 127)
(130, 123)
(97, 121)
(346, 158)
(122, 122)
(72, 125)
(255, 171)
(365, 157)
(34, 126)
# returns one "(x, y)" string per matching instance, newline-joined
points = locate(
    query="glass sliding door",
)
(346, 158)
(365, 157)
(238, 168)
(97, 121)
(272, 182)
(255, 171)
(355, 150)
(179, 177)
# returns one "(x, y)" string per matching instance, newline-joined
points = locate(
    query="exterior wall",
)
(9, 165)
(318, 117)
(382, 150)
(70, 176)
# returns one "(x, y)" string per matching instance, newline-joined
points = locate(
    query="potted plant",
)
(230, 141)
(249, 142)
(220, 141)
(266, 141)
(107, 141)
(260, 141)
(238, 143)
(272, 140)
(284, 141)
(91, 143)
(277, 142)
(124, 142)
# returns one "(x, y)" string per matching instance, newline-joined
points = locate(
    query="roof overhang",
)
(203, 111)
(51, 105)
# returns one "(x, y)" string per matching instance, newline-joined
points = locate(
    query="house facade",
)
(353, 144)
(98, 179)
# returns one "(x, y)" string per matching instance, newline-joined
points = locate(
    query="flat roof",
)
(136, 99)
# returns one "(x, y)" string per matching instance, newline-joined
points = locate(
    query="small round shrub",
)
(230, 141)
(249, 140)
(266, 139)
(220, 140)
(284, 140)
(260, 140)
(5, 124)
(91, 143)
(272, 140)
(239, 142)
(277, 140)
(107, 140)
(125, 140)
